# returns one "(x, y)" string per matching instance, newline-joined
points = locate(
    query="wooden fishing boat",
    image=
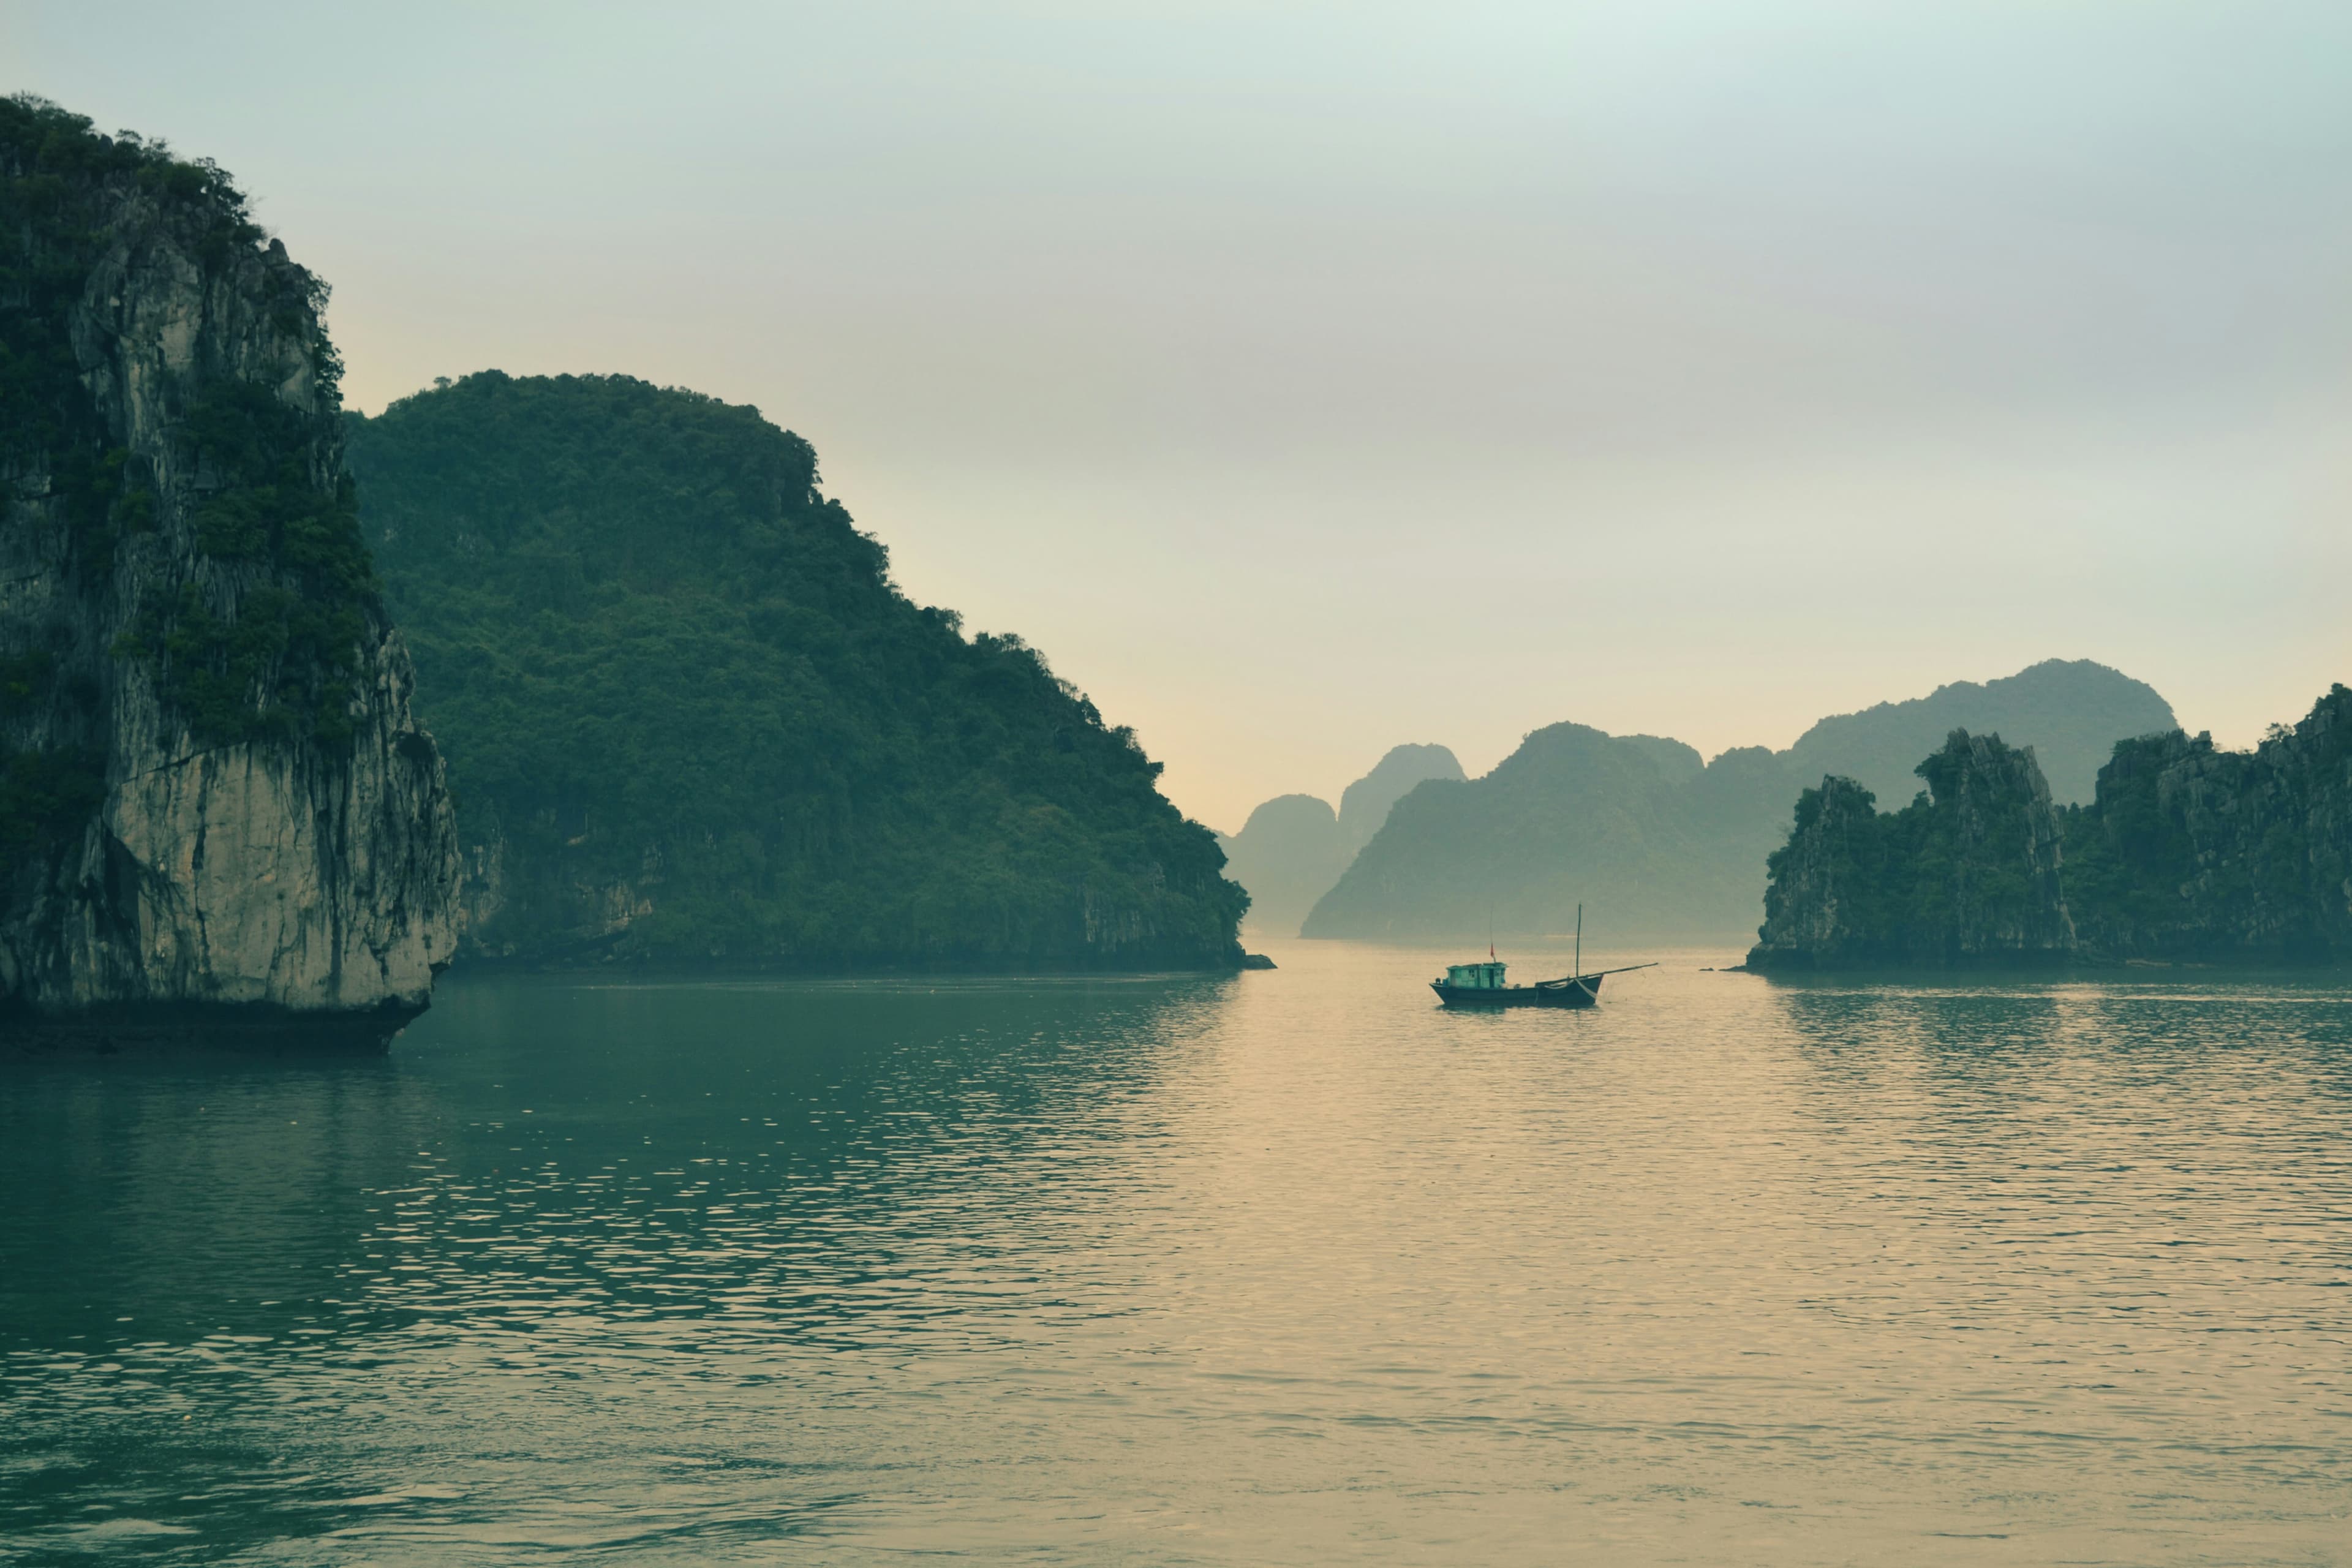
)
(1483, 985)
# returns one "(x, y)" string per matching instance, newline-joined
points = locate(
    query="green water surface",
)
(1284, 1267)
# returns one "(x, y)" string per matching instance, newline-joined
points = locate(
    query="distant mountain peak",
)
(2071, 710)
(1658, 844)
(1295, 846)
(1367, 802)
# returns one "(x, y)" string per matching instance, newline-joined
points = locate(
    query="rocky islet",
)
(2188, 854)
(218, 810)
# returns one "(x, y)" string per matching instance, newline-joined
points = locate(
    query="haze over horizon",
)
(1303, 380)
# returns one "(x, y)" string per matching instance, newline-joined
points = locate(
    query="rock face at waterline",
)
(2187, 854)
(215, 812)
(2192, 853)
(1966, 875)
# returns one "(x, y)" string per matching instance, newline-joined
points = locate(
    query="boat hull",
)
(1582, 992)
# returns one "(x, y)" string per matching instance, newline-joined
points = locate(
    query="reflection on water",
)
(1290, 1267)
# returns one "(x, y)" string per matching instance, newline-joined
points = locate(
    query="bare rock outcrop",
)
(216, 811)
(2195, 854)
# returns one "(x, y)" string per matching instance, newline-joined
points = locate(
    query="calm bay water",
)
(1281, 1267)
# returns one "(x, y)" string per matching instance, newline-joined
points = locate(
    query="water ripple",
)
(1289, 1267)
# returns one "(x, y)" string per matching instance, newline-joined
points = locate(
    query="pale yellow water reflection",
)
(1281, 1267)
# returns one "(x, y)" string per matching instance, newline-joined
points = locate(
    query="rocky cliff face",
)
(1823, 880)
(214, 807)
(1969, 876)
(2187, 855)
(2199, 854)
(1994, 831)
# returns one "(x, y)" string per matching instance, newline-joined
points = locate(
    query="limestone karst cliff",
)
(1968, 874)
(215, 812)
(2195, 854)
(2187, 854)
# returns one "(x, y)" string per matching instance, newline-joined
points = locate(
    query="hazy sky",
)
(1306, 378)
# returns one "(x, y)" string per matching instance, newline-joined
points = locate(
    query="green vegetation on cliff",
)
(2187, 853)
(257, 475)
(58, 178)
(2192, 852)
(1967, 872)
(263, 504)
(688, 717)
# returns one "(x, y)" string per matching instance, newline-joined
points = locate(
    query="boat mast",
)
(1579, 941)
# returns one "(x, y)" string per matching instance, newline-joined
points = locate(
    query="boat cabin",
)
(1474, 976)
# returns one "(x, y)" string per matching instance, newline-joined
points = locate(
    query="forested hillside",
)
(689, 717)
